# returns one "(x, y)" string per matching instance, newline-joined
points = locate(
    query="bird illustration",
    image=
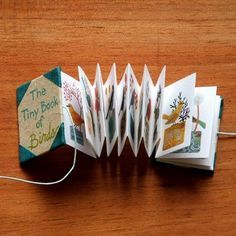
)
(174, 114)
(78, 121)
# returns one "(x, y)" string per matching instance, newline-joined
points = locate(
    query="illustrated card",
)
(148, 87)
(88, 108)
(141, 111)
(75, 135)
(99, 111)
(110, 95)
(203, 116)
(177, 112)
(204, 163)
(156, 109)
(122, 103)
(133, 112)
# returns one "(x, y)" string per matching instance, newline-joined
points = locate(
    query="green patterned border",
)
(25, 155)
(54, 76)
(20, 92)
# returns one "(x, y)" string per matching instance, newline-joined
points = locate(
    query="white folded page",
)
(156, 111)
(133, 110)
(176, 117)
(122, 114)
(147, 110)
(203, 116)
(88, 109)
(72, 99)
(161, 116)
(109, 103)
(202, 163)
(141, 112)
(98, 110)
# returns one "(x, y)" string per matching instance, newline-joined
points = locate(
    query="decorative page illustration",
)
(204, 163)
(133, 111)
(88, 109)
(140, 113)
(176, 125)
(156, 108)
(148, 88)
(109, 95)
(122, 103)
(99, 111)
(203, 116)
(72, 99)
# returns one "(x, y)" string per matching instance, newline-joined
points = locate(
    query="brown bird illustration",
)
(174, 114)
(78, 121)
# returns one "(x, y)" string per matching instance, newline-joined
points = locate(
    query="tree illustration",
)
(184, 113)
(70, 92)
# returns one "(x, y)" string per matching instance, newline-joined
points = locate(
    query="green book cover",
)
(40, 122)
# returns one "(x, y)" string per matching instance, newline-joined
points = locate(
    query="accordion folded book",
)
(177, 123)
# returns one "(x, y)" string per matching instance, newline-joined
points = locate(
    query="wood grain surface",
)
(113, 196)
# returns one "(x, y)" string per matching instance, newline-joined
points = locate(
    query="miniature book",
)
(177, 123)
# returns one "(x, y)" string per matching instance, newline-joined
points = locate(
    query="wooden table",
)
(117, 195)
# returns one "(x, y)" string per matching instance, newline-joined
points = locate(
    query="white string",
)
(74, 162)
(226, 133)
(53, 182)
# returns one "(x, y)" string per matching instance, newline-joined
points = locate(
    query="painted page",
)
(141, 111)
(99, 111)
(177, 113)
(147, 111)
(155, 117)
(203, 116)
(110, 95)
(203, 163)
(122, 114)
(88, 108)
(133, 112)
(75, 135)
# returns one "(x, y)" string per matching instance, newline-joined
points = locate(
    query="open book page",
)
(153, 99)
(99, 111)
(72, 99)
(140, 119)
(110, 95)
(88, 108)
(133, 110)
(177, 112)
(203, 117)
(203, 163)
(122, 114)
(156, 108)
(147, 110)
